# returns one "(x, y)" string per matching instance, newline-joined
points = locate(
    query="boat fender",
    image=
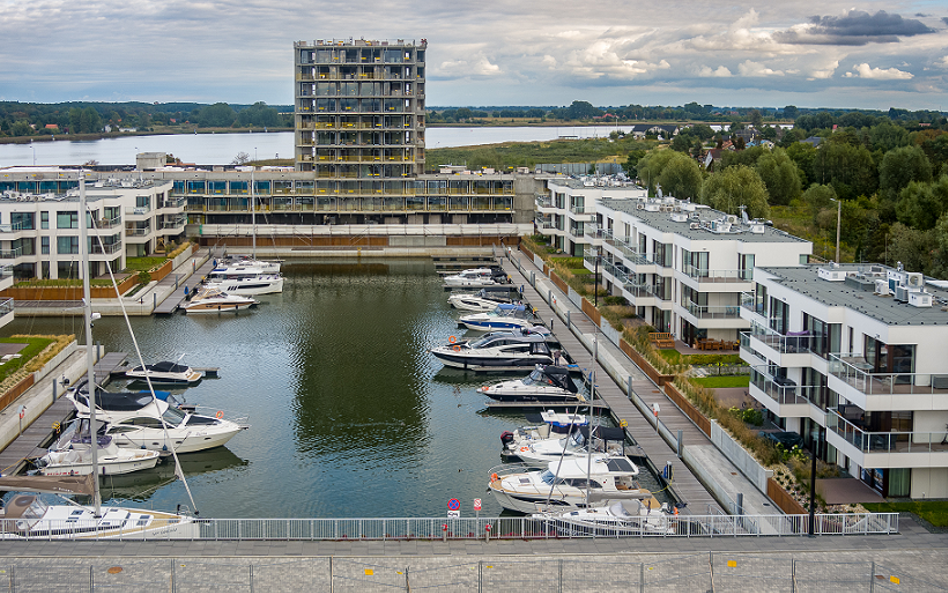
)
(494, 477)
(220, 414)
(453, 339)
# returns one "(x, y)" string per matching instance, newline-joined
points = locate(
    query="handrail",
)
(886, 442)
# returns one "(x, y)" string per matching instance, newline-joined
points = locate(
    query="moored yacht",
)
(613, 518)
(503, 316)
(540, 452)
(136, 420)
(567, 483)
(247, 282)
(238, 263)
(72, 455)
(499, 351)
(476, 277)
(547, 383)
(486, 299)
(166, 373)
(214, 300)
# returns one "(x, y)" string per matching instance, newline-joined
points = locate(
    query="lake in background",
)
(350, 415)
(220, 149)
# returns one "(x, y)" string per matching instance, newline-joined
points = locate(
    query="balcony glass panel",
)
(856, 372)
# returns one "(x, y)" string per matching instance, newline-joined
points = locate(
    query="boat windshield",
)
(548, 477)
(173, 416)
(535, 377)
(480, 343)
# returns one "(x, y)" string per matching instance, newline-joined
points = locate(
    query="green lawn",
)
(34, 347)
(143, 264)
(723, 381)
(933, 511)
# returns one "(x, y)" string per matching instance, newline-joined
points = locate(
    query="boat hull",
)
(484, 363)
(208, 308)
(183, 443)
(107, 467)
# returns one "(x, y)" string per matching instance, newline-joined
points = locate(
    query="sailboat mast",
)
(90, 356)
(253, 220)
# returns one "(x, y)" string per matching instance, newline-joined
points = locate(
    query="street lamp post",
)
(811, 527)
(596, 284)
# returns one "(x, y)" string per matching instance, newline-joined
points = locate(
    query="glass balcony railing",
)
(705, 275)
(543, 223)
(581, 210)
(6, 306)
(857, 373)
(544, 201)
(11, 253)
(106, 249)
(885, 442)
(15, 227)
(787, 344)
(713, 311)
(782, 390)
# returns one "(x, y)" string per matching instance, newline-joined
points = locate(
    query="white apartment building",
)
(682, 265)
(852, 357)
(39, 232)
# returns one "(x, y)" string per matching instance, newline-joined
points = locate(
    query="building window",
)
(44, 220)
(143, 201)
(67, 220)
(44, 245)
(67, 245)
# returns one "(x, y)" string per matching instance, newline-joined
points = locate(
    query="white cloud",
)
(823, 72)
(549, 61)
(865, 71)
(756, 69)
(942, 63)
(719, 72)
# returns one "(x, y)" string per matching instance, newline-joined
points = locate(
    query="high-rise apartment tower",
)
(360, 114)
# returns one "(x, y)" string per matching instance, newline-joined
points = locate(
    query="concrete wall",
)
(929, 482)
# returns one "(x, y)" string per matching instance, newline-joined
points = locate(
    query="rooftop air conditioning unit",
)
(901, 293)
(640, 206)
(694, 226)
(832, 275)
(914, 281)
(882, 287)
(732, 219)
(757, 229)
(920, 299)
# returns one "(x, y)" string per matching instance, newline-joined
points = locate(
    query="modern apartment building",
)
(360, 113)
(39, 224)
(852, 357)
(682, 265)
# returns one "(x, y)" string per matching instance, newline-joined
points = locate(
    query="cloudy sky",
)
(802, 52)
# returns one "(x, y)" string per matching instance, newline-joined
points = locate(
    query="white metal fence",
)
(482, 528)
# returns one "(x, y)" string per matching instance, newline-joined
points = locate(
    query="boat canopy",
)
(123, 401)
(605, 433)
(554, 375)
(165, 366)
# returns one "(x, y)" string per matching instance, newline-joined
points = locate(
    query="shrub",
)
(144, 277)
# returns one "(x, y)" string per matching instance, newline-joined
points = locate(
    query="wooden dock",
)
(685, 485)
(105, 368)
(35, 438)
(171, 303)
(495, 405)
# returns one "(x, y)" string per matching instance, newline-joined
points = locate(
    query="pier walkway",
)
(173, 284)
(685, 483)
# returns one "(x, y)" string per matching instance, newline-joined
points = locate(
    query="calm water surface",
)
(350, 415)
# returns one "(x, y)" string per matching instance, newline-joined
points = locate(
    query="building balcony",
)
(783, 396)
(105, 248)
(9, 256)
(137, 213)
(700, 276)
(543, 223)
(754, 304)
(10, 232)
(784, 350)
(853, 378)
(712, 311)
(886, 449)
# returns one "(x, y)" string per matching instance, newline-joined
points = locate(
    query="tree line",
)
(38, 119)
(889, 178)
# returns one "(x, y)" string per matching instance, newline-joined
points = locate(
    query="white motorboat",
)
(166, 373)
(72, 455)
(544, 425)
(214, 300)
(247, 282)
(547, 383)
(28, 516)
(540, 452)
(243, 262)
(566, 484)
(139, 421)
(613, 518)
(504, 316)
(499, 351)
(475, 278)
(486, 299)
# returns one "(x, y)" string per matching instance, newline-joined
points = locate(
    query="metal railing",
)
(712, 311)
(706, 275)
(786, 344)
(464, 528)
(753, 303)
(6, 307)
(783, 391)
(856, 372)
(886, 442)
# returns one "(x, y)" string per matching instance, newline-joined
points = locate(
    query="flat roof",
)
(805, 280)
(704, 216)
